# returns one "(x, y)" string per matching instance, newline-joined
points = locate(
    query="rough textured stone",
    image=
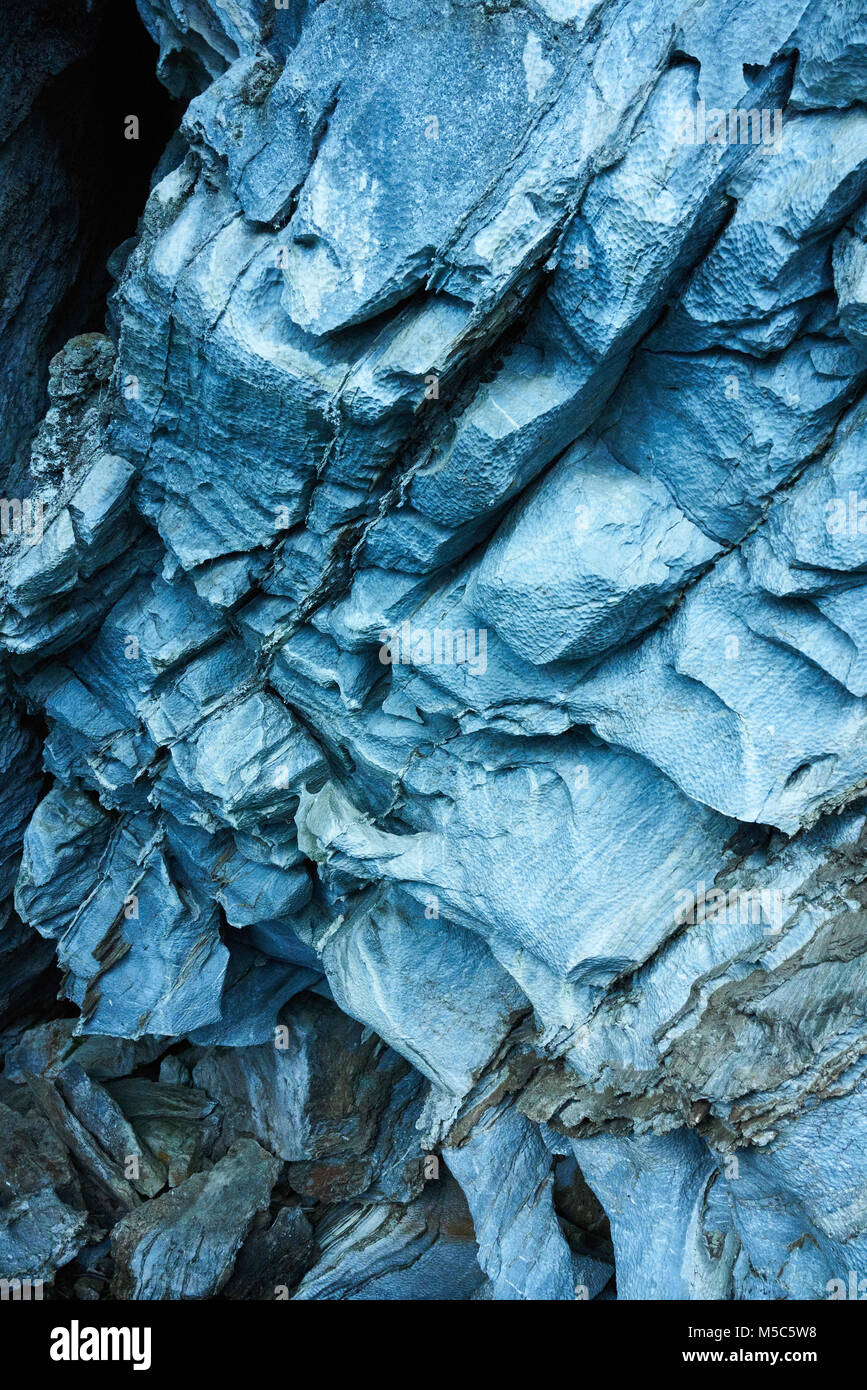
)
(183, 1245)
(435, 743)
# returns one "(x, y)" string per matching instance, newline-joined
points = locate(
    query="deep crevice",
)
(114, 173)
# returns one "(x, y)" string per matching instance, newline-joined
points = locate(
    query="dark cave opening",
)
(72, 185)
(116, 80)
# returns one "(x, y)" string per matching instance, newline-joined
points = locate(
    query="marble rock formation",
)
(435, 734)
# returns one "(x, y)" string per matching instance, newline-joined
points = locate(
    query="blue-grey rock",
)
(43, 1219)
(595, 555)
(636, 1180)
(286, 1093)
(850, 280)
(756, 287)
(832, 62)
(183, 1244)
(434, 742)
(506, 1172)
(43, 1050)
(387, 963)
(176, 1124)
(423, 1251)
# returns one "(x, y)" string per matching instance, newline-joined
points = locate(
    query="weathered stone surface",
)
(43, 1050)
(422, 1251)
(43, 1221)
(446, 640)
(183, 1245)
(317, 1094)
(616, 553)
(505, 1170)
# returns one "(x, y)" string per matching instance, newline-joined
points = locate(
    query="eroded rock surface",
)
(446, 640)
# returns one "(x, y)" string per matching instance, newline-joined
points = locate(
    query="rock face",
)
(435, 744)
